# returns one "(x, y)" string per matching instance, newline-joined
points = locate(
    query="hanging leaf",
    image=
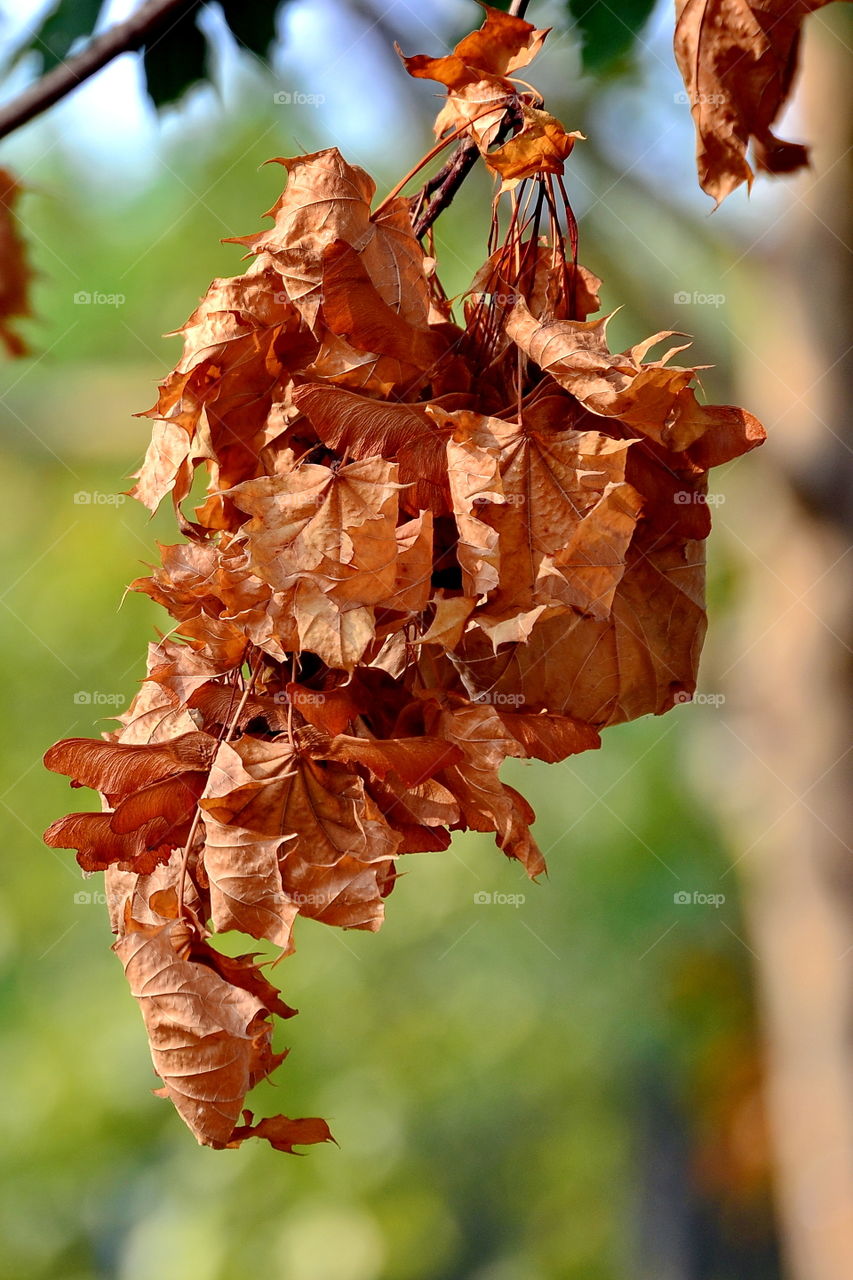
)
(738, 63)
(15, 272)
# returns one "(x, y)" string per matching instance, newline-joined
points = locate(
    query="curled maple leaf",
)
(209, 1033)
(478, 71)
(738, 59)
(481, 90)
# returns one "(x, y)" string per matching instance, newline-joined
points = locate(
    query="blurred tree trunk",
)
(790, 806)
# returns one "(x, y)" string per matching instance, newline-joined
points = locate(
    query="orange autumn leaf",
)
(553, 511)
(353, 308)
(641, 660)
(477, 73)
(333, 525)
(652, 398)
(280, 1132)
(549, 737)
(244, 878)
(210, 1040)
(274, 791)
(541, 146)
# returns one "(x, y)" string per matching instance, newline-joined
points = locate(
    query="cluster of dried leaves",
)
(426, 546)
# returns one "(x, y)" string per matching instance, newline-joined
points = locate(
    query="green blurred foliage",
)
(65, 23)
(501, 1078)
(176, 56)
(176, 61)
(608, 34)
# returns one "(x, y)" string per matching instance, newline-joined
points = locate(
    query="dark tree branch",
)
(125, 37)
(438, 192)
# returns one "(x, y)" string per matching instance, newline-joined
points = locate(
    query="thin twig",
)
(440, 190)
(430, 155)
(438, 193)
(125, 37)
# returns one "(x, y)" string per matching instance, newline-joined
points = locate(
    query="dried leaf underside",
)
(738, 60)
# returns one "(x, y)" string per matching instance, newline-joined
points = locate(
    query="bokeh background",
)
(595, 1080)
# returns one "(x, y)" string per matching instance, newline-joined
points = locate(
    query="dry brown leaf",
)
(640, 661)
(245, 883)
(15, 273)
(477, 73)
(653, 399)
(219, 405)
(738, 60)
(270, 789)
(210, 1040)
(282, 1133)
(554, 515)
(325, 201)
(486, 803)
(333, 525)
(541, 146)
(549, 737)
